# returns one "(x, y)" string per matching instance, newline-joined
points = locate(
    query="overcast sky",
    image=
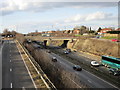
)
(28, 16)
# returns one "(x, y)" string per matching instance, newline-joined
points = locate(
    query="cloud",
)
(98, 16)
(90, 17)
(12, 6)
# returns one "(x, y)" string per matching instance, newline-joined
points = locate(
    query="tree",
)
(36, 31)
(83, 29)
(99, 29)
(5, 31)
(13, 33)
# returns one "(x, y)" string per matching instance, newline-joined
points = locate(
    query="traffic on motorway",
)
(58, 59)
(81, 69)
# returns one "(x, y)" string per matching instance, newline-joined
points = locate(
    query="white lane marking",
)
(23, 88)
(11, 85)
(10, 69)
(53, 54)
(10, 60)
(10, 55)
(66, 66)
(89, 81)
(101, 79)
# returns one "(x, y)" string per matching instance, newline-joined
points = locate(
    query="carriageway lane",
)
(14, 72)
(87, 77)
(1, 65)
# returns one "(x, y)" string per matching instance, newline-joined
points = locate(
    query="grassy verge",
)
(109, 37)
(77, 35)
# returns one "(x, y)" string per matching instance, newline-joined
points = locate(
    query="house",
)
(118, 29)
(76, 31)
(51, 32)
(105, 30)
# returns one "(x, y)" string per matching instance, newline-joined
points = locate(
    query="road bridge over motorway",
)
(50, 38)
(65, 41)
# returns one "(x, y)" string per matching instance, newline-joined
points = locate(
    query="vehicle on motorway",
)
(48, 51)
(77, 67)
(29, 40)
(98, 37)
(95, 63)
(54, 59)
(66, 52)
(115, 40)
(69, 50)
(36, 46)
(111, 62)
(114, 72)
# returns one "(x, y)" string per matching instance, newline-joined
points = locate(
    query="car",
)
(69, 50)
(54, 59)
(95, 63)
(115, 40)
(48, 51)
(97, 37)
(113, 71)
(77, 68)
(66, 52)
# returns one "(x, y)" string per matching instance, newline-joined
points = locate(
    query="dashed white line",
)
(101, 79)
(89, 81)
(23, 88)
(11, 85)
(92, 74)
(10, 60)
(10, 70)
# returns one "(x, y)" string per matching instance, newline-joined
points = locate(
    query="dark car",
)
(69, 50)
(54, 59)
(77, 68)
(113, 71)
(66, 52)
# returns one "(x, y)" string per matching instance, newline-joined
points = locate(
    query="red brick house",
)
(51, 32)
(105, 30)
(76, 31)
(118, 29)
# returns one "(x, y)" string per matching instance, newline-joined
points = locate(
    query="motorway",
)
(0, 65)
(14, 72)
(84, 76)
(88, 78)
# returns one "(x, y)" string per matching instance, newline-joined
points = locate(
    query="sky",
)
(41, 15)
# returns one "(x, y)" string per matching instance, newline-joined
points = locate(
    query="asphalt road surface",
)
(14, 72)
(85, 76)
(0, 65)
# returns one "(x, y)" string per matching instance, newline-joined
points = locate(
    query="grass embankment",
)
(109, 37)
(77, 35)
